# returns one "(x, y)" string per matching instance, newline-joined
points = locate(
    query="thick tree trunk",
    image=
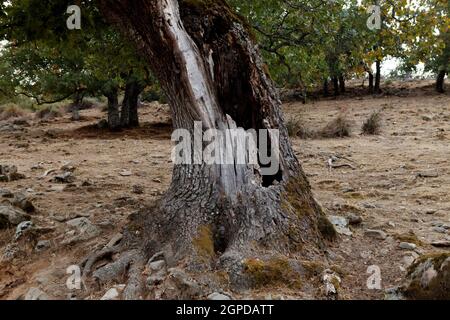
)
(129, 116)
(377, 88)
(336, 86)
(342, 83)
(326, 90)
(113, 108)
(371, 86)
(211, 71)
(440, 80)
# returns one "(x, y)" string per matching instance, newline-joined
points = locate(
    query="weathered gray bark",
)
(112, 94)
(211, 71)
(336, 86)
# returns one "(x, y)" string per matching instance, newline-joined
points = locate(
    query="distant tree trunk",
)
(440, 81)
(112, 93)
(371, 86)
(377, 88)
(326, 89)
(212, 72)
(129, 115)
(76, 104)
(342, 83)
(336, 87)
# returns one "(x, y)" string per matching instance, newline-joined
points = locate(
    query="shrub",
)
(49, 112)
(337, 128)
(11, 110)
(297, 128)
(372, 125)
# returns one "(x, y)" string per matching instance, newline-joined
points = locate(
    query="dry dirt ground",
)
(386, 186)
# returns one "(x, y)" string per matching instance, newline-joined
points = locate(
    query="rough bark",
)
(129, 116)
(326, 90)
(336, 86)
(377, 88)
(112, 94)
(211, 71)
(440, 80)
(371, 86)
(342, 83)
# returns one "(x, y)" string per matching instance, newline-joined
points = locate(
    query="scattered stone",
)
(36, 294)
(65, 177)
(22, 229)
(86, 230)
(429, 278)
(111, 294)
(23, 202)
(6, 194)
(157, 180)
(440, 230)
(187, 286)
(216, 296)
(427, 118)
(354, 219)
(376, 234)
(9, 173)
(341, 225)
(137, 189)
(332, 282)
(157, 266)
(126, 173)
(441, 244)
(430, 212)
(10, 216)
(427, 174)
(43, 245)
(407, 246)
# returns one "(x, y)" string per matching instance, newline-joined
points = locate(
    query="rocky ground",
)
(75, 185)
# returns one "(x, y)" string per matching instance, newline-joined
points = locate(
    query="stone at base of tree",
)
(216, 296)
(43, 245)
(36, 294)
(428, 278)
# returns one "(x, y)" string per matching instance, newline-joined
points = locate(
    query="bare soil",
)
(384, 187)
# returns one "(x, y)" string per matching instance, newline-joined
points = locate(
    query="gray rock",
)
(331, 282)
(376, 234)
(354, 219)
(187, 286)
(43, 245)
(429, 279)
(440, 230)
(216, 296)
(85, 228)
(111, 294)
(341, 225)
(65, 177)
(441, 244)
(157, 266)
(11, 216)
(10, 173)
(407, 246)
(36, 294)
(23, 228)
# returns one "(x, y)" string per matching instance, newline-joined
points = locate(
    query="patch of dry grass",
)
(49, 112)
(297, 128)
(11, 110)
(339, 127)
(372, 126)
